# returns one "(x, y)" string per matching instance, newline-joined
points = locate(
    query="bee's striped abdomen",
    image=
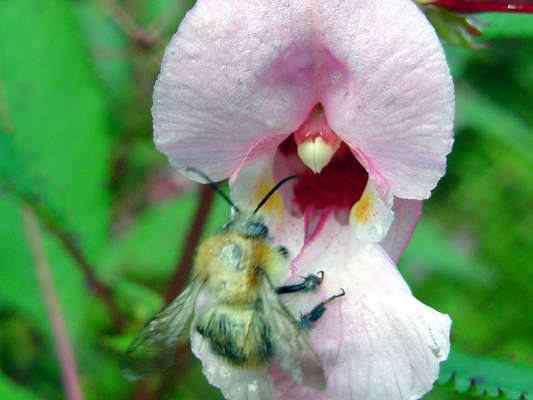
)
(242, 337)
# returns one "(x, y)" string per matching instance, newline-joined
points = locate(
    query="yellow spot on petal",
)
(274, 205)
(362, 210)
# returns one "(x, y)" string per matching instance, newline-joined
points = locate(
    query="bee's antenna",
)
(214, 186)
(272, 191)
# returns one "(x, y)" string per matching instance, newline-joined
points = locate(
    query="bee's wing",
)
(154, 348)
(291, 345)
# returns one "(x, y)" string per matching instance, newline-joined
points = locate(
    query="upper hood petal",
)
(397, 104)
(230, 76)
(238, 71)
(378, 341)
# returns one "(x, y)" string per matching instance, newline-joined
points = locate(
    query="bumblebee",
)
(244, 321)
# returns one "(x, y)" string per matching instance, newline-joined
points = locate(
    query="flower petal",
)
(406, 215)
(378, 341)
(235, 383)
(396, 106)
(250, 183)
(235, 72)
(371, 216)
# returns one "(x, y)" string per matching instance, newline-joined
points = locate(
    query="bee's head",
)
(249, 226)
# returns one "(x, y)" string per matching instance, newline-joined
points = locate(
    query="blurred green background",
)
(76, 144)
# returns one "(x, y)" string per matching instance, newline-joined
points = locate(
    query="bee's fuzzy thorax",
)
(231, 264)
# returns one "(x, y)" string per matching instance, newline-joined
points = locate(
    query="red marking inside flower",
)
(339, 185)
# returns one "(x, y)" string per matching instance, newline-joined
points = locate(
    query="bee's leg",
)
(307, 320)
(310, 282)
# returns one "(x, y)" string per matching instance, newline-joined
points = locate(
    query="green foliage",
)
(75, 142)
(508, 26)
(150, 247)
(58, 148)
(164, 14)
(487, 116)
(452, 28)
(482, 208)
(12, 171)
(463, 29)
(109, 52)
(486, 377)
(58, 121)
(10, 391)
(56, 109)
(432, 252)
(194, 386)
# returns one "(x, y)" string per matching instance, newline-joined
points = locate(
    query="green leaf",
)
(485, 376)
(142, 302)
(193, 385)
(13, 178)
(458, 58)
(490, 118)
(452, 28)
(109, 48)
(150, 248)
(101, 373)
(508, 26)
(11, 391)
(431, 251)
(156, 10)
(58, 124)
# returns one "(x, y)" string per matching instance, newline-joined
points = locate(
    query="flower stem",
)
(63, 346)
(473, 6)
(142, 38)
(69, 243)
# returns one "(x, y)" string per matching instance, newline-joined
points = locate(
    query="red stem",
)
(476, 6)
(141, 38)
(183, 267)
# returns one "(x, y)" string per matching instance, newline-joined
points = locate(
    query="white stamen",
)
(316, 153)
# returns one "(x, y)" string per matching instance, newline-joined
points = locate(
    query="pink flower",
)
(356, 98)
